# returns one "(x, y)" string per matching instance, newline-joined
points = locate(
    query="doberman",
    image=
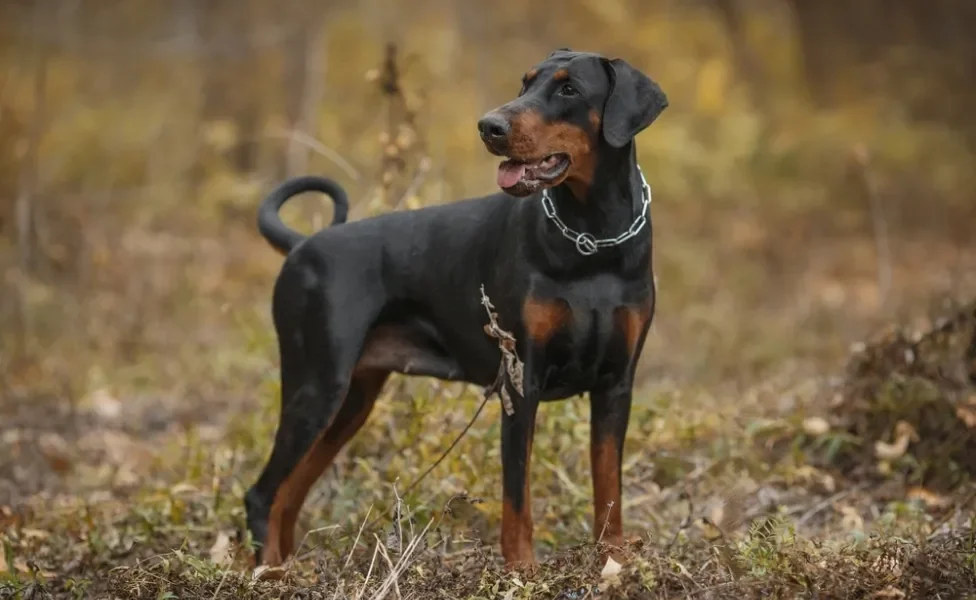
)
(563, 252)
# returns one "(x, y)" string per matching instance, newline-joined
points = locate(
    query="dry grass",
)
(725, 500)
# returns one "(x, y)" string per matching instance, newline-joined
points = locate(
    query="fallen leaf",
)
(815, 426)
(36, 534)
(717, 514)
(904, 434)
(611, 569)
(929, 498)
(266, 573)
(4, 567)
(182, 488)
(967, 415)
(105, 405)
(886, 451)
(220, 551)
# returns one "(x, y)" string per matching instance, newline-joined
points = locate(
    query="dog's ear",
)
(635, 100)
(558, 51)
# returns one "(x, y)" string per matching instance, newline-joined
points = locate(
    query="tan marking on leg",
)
(605, 464)
(517, 526)
(291, 494)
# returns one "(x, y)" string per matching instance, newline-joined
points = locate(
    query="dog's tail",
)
(270, 224)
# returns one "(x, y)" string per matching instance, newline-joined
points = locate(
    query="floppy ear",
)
(634, 102)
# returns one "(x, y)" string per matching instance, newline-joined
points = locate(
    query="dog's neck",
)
(613, 199)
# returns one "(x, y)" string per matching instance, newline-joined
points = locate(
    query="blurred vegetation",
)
(813, 180)
(138, 137)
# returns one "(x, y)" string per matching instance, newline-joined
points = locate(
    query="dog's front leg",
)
(517, 432)
(609, 416)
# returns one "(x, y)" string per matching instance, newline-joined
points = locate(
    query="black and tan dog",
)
(563, 252)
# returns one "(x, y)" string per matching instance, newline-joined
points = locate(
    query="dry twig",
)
(510, 363)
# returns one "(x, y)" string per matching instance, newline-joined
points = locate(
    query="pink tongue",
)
(509, 173)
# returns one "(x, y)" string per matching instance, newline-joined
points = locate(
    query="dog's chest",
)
(585, 334)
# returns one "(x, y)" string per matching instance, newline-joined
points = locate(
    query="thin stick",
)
(351, 550)
(879, 222)
(369, 572)
(402, 564)
(356, 543)
(313, 144)
(415, 184)
(606, 521)
(221, 584)
(310, 532)
(816, 508)
(386, 557)
(399, 518)
(510, 363)
(442, 457)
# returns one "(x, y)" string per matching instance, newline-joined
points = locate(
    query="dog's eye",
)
(568, 90)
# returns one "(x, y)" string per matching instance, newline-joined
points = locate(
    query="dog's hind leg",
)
(323, 403)
(292, 491)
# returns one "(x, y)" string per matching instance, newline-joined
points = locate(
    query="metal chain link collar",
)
(588, 245)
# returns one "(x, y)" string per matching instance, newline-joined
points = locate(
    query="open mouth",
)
(521, 178)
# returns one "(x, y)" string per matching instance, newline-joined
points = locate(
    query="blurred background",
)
(813, 180)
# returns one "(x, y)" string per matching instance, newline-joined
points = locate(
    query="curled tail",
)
(279, 235)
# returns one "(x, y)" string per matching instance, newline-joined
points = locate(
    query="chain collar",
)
(588, 245)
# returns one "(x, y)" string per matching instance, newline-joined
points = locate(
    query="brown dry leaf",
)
(266, 573)
(4, 567)
(967, 413)
(929, 498)
(56, 451)
(220, 551)
(510, 364)
(967, 416)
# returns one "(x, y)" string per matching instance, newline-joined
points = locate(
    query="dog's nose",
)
(494, 128)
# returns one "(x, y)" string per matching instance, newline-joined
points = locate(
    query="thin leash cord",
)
(421, 477)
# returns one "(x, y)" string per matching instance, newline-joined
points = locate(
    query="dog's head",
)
(572, 105)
